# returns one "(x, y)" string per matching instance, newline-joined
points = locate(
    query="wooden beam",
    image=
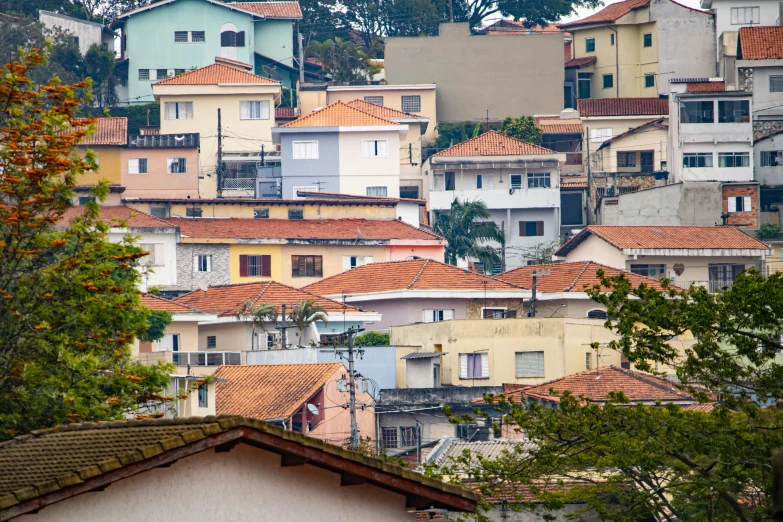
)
(228, 446)
(346, 479)
(288, 460)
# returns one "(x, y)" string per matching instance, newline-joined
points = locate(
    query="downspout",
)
(616, 60)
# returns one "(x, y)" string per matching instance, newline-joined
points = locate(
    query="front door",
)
(647, 161)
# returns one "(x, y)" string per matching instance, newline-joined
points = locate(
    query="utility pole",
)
(301, 60)
(352, 389)
(503, 247)
(533, 295)
(451, 11)
(589, 176)
(219, 168)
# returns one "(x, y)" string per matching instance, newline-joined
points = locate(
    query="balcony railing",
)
(714, 286)
(239, 183)
(193, 358)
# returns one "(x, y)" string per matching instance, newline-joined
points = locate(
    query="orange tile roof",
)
(228, 300)
(272, 9)
(574, 184)
(340, 114)
(416, 274)
(610, 13)
(354, 229)
(270, 391)
(132, 217)
(236, 63)
(595, 385)
(570, 277)
(667, 237)
(153, 302)
(381, 111)
(216, 74)
(518, 26)
(705, 407)
(623, 107)
(554, 124)
(580, 62)
(760, 43)
(109, 131)
(494, 143)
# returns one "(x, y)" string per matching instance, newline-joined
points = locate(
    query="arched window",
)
(597, 313)
(230, 39)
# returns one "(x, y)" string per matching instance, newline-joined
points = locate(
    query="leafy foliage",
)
(769, 231)
(372, 339)
(99, 65)
(465, 226)
(306, 313)
(69, 305)
(523, 128)
(157, 321)
(342, 60)
(258, 315)
(541, 253)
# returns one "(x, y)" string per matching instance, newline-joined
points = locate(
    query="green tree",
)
(541, 253)
(523, 128)
(372, 339)
(258, 315)
(769, 231)
(99, 65)
(157, 321)
(306, 313)
(69, 304)
(465, 226)
(342, 60)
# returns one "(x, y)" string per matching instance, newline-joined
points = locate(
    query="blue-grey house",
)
(169, 37)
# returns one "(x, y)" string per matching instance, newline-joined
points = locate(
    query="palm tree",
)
(464, 226)
(306, 313)
(258, 315)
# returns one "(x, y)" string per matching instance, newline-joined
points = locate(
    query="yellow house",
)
(111, 135)
(631, 48)
(227, 102)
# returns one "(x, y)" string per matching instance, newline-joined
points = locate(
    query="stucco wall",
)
(88, 33)
(246, 483)
(109, 160)
(769, 13)
(357, 172)
(189, 278)
(526, 71)
(323, 172)
(331, 257)
(396, 312)
(768, 175)
(163, 273)
(157, 182)
(276, 211)
(618, 124)
(766, 103)
(680, 204)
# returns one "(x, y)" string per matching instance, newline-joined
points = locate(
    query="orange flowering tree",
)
(69, 304)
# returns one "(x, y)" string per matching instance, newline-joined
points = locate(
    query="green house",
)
(170, 37)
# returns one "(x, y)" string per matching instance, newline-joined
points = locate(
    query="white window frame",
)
(503, 309)
(180, 110)
(534, 373)
(771, 158)
(350, 262)
(436, 316)
(135, 165)
(375, 148)
(170, 163)
(304, 149)
(755, 15)
(156, 254)
(600, 135)
(169, 343)
(735, 202)
(144, 75)
(512, 180)
(734, 156)
(778, 80)
(697, 155)
(538, 178)
(463, 365)
(377, 190)
(254, 110)
(202, 261)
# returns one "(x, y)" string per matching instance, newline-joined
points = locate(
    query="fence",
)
(193, 358)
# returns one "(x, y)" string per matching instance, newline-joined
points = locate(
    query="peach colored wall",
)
(157, 182)
(400, 252)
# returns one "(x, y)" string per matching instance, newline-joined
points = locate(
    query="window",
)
(740, 204)
(626, 159)
(608, 81)
(589, 45)
(771, 158)
(478, 181)
(232, 39)
(466, 430)
(202, 263)
(76, 41)
(193, 212)
(180, 37)
(493, 313)
(649, 80)
(255, 266)
(374, 148)
(305, 149)
(407, 436)
(155, 255)
(203, 396)
(647, 38)
(306, 266)
(161, 74)
(350, 262)
(177, 72)
(723, 275)
(473, 366)
(261, 213)
(611, 39)
(375, 100)
(198, 37)
(389, 437)
(598, 313)
(254, 110)
(600, 135)
(529, 364)
(411, 103)
(539, 180)
(776, 84)
(733, 111)
(733, 159)
(178, 110)
(177, 166)
(158, 212)
(451, 178)
(295, 213)
(144, 74)
(745, 15)
(588, 360)
(377, 191)
(697, 112)
(516, 181)
(137, 166)
(697, 159)
(583, 85)
(531, 228)
(435, 316)
(169, 343)
(656, 271)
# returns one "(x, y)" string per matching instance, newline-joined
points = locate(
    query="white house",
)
(341, 149)
(731, 15)
(518, 181)
(85, 34)
(760, 72)
(768, 152)
(711, 132)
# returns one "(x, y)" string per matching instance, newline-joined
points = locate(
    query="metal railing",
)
(239, 183)
(193, 358)
(714, 285)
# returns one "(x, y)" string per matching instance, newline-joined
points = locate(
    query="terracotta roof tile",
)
(623, 106)
(555, 124)
(382, 112)
(270, 391)
(580, 62)
(109, 131)
(760, 43)
(228, 300)
(669, 237)
(340, 114)
(573, 184)
(705, 407)
(518, 26)
(354, 229)
(272, 9)
(570, 277)
(518, 492)
(153, 302)
(610, 13)
(488, 450)
(494, 143)
(595, 385)
(216, 74)
(417, 274)
(133, 218)
(235, 63)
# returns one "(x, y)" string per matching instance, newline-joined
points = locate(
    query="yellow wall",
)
(332, 259)
(276, 211)
(650, 139)
(255, 250)
(109, 166)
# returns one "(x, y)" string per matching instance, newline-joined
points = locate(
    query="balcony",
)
(193, 359)
(502, 198)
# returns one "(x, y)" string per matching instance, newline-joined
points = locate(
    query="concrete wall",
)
(419, 373)
(680, 204)
(278, 210)
(246, 483)
(754, 77)
(768, 175)
(157, 182)
(88, 33)
(769, 14)
(397, 312)
(163, 274)
(358, 172)
(188, 278)
(652, 139)
(323, 172)
(537, 514)
(618, 124)
(510, 75)
(109, 165)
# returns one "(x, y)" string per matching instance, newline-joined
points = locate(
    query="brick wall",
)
(221, 270)
(742, 219)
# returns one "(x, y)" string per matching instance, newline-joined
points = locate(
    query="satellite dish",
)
(312, 408)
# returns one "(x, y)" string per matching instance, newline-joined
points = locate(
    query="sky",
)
(581, 13)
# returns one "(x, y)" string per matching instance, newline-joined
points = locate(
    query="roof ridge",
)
(491, 133)
(333, 106)
(652, 380)
(418, 274)
(581, 272)
(172, 301)
(264, 288)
